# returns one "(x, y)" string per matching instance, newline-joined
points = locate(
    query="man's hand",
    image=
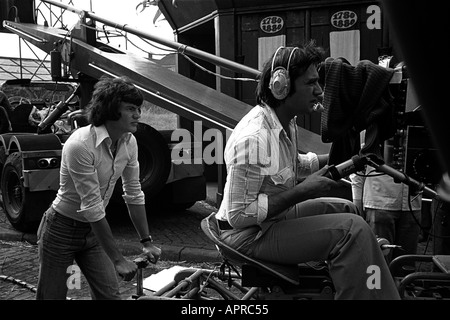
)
(126, 269)
(152, 252)
(318, 184)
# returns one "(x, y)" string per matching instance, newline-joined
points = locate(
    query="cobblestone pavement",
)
(19, 273)
(177, 233)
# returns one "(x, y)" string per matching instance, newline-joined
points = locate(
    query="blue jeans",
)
(61, 241)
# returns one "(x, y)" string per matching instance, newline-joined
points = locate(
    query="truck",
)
(30, 158)
(231, 39)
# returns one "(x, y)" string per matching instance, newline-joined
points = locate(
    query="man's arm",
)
(127, 269)
(138, 216)
(134, 198)
(314, 186)
(248, 200)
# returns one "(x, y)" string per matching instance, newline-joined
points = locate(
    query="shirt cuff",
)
(314, 161)
(134, 199)
(93, 214)
(263, 206)
(308, 162)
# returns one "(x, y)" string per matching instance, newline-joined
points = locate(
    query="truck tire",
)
(2, 157)
(22, 207)
(154, 162)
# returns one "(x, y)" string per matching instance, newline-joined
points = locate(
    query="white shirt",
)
(89, 173)
(382, 192)
(261, 160)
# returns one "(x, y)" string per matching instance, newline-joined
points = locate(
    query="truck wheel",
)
(154, 159)
(2, 157)
(154, 162)
(23, 208)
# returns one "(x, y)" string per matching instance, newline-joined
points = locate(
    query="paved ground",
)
(19, 273)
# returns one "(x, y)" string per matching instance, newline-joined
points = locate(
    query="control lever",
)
(344, 169)
(60, 108)
(385, 246)
(141, 262)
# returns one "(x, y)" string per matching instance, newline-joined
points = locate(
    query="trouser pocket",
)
(43, 225)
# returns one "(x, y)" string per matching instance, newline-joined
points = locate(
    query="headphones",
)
(280, 83)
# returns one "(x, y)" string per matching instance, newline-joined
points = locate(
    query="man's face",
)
(129, 119)
(307, 93)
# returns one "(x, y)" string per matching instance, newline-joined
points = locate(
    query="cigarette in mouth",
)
(318, 107)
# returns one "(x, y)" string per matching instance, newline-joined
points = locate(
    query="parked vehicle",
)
(30, 155)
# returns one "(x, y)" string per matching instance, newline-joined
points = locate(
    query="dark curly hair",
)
(107, 96)
(306, 55)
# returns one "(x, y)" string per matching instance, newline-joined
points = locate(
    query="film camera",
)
(411, 149)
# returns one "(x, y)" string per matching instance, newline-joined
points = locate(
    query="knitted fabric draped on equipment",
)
(356, 98)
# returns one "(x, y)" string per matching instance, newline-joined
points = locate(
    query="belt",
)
(73, 222)
(224, 225)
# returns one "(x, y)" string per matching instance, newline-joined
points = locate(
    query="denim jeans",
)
(61, 241)
(398, 227)
(327, 229)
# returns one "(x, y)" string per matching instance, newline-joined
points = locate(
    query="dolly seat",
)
(290, 274)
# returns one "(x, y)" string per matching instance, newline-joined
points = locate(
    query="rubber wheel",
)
(154, 162)
(23, 208)
(2, 157)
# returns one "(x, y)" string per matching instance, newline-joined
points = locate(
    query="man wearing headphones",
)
(274, 207)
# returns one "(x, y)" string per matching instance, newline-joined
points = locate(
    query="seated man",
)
(268, 213)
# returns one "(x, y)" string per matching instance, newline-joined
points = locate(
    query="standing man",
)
(75, 228)
(391, 208)
(274, 207)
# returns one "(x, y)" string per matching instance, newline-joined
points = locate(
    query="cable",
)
(173, 51)
(185, 56)
(22, 283)
(215, 74)
(19, 282)
(120, 32)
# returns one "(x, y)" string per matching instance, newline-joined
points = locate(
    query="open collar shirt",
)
(261, 160)
(89, 172)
